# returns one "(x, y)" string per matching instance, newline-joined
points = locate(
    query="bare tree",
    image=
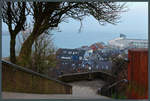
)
(43, 56)
(43, 52)
(14, 15)
(47, 15)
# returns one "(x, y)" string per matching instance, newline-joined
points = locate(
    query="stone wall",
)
(19, 79)
(87, 76)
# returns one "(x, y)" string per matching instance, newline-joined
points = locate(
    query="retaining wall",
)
(19, 79)
(87, 76)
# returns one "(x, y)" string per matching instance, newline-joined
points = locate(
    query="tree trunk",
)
(12, 48)
(26, 49)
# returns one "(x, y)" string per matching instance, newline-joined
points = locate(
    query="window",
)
(102, 67)
(73, 65)
(65, 57)
(96, 66)
(107, 67)
(70, 52)
(80, 58)
(64, 52)
(76, 52)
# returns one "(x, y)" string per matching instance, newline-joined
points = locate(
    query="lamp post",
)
(90, 76)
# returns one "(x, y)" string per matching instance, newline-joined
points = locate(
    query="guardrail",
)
(19, 79)
(111, 88)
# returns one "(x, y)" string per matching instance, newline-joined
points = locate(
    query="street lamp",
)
(90, 75)
(90, 68)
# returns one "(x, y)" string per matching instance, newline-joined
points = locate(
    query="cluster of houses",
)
(98, 56)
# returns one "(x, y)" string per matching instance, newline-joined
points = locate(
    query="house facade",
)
(69, 59)
(122, 42)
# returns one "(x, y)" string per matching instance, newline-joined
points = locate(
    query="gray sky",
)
(134, 24)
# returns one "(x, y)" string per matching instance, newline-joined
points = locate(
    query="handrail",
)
(108, 90)
(114, 84)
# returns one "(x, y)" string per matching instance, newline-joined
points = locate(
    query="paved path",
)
(81, 90)
(86, 88)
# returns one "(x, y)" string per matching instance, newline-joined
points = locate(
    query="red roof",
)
(96, 46)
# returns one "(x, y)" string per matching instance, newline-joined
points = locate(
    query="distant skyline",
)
(134, 24)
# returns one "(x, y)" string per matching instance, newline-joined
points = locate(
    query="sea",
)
(104, 38)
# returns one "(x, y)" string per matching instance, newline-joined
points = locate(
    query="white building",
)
(123, 42)
(87, 54)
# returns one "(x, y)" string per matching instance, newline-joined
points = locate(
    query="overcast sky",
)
(134, 24)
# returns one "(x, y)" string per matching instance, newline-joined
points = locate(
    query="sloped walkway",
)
(86, 88)
(80, 90)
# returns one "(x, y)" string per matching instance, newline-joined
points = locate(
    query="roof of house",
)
(96, 46)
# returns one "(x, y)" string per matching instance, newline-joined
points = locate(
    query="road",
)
(80, 90)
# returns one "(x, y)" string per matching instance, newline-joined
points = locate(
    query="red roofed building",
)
(96, 46)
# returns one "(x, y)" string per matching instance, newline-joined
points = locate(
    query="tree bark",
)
(26, 49)
(12, 48)
(27, 46)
